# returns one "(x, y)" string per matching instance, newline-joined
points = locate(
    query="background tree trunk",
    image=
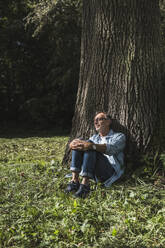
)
(120, 69)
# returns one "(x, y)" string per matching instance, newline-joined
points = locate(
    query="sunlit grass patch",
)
(21, 150)
(35, 212)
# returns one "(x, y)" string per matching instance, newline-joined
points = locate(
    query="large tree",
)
(120, 69)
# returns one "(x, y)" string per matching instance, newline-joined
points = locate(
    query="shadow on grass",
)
(14, 131)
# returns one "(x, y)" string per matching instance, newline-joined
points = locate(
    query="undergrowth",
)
(35, 212)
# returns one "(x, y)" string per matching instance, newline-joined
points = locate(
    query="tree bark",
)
(120, 70)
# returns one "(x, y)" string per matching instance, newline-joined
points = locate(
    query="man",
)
(100, 158)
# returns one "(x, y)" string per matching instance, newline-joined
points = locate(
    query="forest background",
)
(39, 62)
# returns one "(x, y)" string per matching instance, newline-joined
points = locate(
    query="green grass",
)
(34, 211)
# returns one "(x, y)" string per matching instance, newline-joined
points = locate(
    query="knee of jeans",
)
(90, 153)
(76, 151)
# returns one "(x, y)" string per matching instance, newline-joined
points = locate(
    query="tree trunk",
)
(120, 69)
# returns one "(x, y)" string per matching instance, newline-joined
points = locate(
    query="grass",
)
(34, 211)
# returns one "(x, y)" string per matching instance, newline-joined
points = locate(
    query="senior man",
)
(100, 158)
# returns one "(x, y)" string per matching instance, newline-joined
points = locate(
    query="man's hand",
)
(80, 145)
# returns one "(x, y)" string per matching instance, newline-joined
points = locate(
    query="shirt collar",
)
(111, 132)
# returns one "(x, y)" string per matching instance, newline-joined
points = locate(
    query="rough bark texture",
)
(120, 69)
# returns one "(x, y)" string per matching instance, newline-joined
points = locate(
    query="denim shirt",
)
(115, 143)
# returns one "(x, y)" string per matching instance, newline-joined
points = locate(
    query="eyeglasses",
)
(100, 119)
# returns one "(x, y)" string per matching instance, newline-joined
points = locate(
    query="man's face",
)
(101, 122)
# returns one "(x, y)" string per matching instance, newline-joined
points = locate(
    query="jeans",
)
(91, 164)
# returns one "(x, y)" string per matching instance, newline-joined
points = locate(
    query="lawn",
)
(35, 212)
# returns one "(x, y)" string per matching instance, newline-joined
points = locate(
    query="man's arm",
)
(100, 147)
(115, 145)
(82, 145)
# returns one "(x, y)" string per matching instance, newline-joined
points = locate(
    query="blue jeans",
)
(91, 164)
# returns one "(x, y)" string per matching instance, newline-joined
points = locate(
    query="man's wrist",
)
(94, 147)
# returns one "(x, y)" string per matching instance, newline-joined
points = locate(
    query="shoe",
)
(83, 191)
(72, 186)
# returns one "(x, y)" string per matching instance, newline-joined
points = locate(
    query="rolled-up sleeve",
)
(92, 139)
(116, 144)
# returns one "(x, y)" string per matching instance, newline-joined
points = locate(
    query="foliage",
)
(162, 11)
(162, 158)
(36, 213)
(35, 64)
(45, 112)
(57, 26)
(17, 53)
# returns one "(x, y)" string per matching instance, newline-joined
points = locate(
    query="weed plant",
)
(35, 212)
